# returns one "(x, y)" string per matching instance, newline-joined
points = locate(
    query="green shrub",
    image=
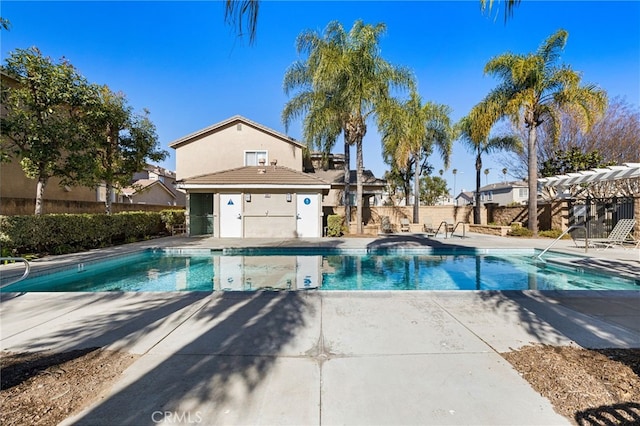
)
(519, 231)
(553, 233)
(68, 233)
(172, 218)
(335, 226)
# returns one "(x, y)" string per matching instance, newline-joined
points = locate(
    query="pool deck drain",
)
(417, 357)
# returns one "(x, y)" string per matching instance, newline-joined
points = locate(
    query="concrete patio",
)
(312, 357)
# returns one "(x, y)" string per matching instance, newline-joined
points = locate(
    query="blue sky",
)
(180, 60)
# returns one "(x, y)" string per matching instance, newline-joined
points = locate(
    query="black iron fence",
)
(600, 215)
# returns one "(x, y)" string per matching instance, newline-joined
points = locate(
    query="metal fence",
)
(600, 215)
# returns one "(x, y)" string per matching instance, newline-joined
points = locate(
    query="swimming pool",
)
(268, 269)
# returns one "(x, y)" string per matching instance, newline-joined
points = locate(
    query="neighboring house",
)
(243, 179)
(333, 172)
(465, 198)
(154, 185)
(505, 193)
(445, 200)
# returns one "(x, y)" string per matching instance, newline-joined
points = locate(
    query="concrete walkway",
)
(321, 358)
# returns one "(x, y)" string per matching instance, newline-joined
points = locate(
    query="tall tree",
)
(342, 83)
(121, 141)
(535, 89)
(44, 117)
(410, 131)
(432, 188)
(474, 133)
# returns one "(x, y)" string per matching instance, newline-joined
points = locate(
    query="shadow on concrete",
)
(544, 316)
(128, 318)
(238, 340)
(610, 415)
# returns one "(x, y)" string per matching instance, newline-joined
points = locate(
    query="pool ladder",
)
(569, 229)
(27, 268)
(446, 227)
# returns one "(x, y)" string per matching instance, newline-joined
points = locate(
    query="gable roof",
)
(142, 185)
(504, 186)
(336, 177)
(252, 177)
(230, 122)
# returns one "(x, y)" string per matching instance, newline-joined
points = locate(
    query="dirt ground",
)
(589, 387)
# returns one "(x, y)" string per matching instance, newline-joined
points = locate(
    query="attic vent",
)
(239, 127)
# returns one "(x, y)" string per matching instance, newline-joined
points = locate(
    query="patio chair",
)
(618, 235)
(404, 225)
(427, 226)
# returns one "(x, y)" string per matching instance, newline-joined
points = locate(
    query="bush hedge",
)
(68, 233)
(335, 225)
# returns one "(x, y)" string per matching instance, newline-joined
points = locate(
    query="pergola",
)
(612, 181)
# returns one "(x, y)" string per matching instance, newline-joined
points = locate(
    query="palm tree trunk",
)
(42, 182)
(476, 208)
(347, 176)
(533, 180)
(359, 195)
(416, 193)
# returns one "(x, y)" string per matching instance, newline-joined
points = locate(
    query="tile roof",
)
(255, 176)
(142, 184)
(337, 177)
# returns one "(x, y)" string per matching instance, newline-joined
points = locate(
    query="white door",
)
(308, 217)
(230, 273)
(308, 271)
(230, 215)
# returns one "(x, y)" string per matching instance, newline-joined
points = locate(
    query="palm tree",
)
(504, 174)
(412, 129)
(486, 176)
(235, 11)
(535, 90)
(474, 131)
(341, 84)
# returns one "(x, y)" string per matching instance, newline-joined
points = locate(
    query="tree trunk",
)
(107, 201)
(416, 193)
(476, 207)
(359, 195)
(533, 180)
(345, 194)
(42, 182)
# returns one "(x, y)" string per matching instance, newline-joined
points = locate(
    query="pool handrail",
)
(569, 229)
(27, 269)
(456, 227)
(445, 229)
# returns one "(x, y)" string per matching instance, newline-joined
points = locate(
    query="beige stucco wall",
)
(14, 184)
(269, 215)
(225, 148)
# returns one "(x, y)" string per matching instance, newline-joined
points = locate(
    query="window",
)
(523, 192)
(490, 196)
(252, 158)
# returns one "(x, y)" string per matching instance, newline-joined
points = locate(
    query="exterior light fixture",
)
(247, 198)
(288, 197)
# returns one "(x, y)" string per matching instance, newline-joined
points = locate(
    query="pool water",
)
(204, 270)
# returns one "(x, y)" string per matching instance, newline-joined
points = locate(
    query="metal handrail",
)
(456, 227)
(445, 229)
(569, 229)
(27, 268)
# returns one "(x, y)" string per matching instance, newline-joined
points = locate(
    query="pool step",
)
(629, 270)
